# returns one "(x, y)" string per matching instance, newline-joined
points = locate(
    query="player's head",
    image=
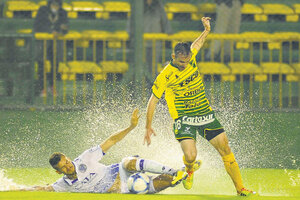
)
(55, 5)
(182, 54)
(62, 164)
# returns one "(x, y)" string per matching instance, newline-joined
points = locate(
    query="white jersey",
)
(92, 176)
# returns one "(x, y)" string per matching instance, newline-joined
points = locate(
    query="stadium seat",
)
(64, 70)
(279, 9)
(187, 36)
(66, 7)
(85, 67)
(21, 42)
(89, 7)
(260, 78)
(183, 11)
(114, 66)
(118, 8)
(249, 37)
(276, 68)
(296, 8)
(205, 8)
(23, 9)
(244, 68)
(213, 68)
(252, 9)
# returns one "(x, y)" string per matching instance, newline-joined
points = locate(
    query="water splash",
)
(7, 184)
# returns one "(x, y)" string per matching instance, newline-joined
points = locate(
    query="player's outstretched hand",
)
(147, 138)
(206, 23)
(135, 118)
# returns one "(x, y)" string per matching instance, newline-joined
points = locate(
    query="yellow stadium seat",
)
(205, 8)
(276, 68)
(64, 70)
(296, 8)
(66, 6)
(296, 67)
(116, 38)
(118, 7)
(247, 37)
(184, 36)
(279, 9)
(84, 67)
(181, 8)
(96, 35)
(86, 6)
(252, 9)
(114, 66)
(260, 78)
(21, 42)
(293, 78)
(229, 78)
(244, 68)
(12, 8)
(213, 68)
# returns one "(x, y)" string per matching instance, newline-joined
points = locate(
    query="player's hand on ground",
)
(147, 138)
(135, 118)
(206, 22)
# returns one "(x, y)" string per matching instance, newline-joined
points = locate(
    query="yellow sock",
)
(233, 170)
(189, 166)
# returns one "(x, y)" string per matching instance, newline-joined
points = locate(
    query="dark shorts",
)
(186, 127)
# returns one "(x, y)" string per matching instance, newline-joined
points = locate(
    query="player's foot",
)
(188, 182)
(180, 175)
(245, 192)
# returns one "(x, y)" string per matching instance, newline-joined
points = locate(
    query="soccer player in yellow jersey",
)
(190, 109)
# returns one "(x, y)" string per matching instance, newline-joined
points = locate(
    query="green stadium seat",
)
(90, 7)
(22, 8)
(278, 9)
(114, 66)
(116, 8)
(179, 9)
(244, 68)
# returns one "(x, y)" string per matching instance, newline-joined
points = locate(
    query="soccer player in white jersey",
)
(87, 174)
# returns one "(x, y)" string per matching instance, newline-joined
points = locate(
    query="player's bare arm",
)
(198, 43)
(116, 137)
(47, 188)
(150, 112)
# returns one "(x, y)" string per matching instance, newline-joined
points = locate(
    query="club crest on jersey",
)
(189, 79)
(82, 168)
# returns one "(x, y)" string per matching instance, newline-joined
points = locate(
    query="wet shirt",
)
(92, 176)
(184, 90)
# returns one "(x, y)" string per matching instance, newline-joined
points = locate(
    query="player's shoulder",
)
(168, 68)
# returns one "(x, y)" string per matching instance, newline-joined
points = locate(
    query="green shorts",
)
(207, 126)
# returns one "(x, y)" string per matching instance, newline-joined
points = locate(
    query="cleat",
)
(196, 166)
(178, 177)
(188, 182)
(244, 192)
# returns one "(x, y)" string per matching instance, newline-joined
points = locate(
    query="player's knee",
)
(129, 163)
(190, 157)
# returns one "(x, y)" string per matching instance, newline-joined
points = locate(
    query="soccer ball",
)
(138, 183)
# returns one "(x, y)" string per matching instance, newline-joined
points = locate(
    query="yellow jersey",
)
(184, 90)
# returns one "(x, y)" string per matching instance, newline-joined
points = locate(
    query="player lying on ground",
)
(86, 174)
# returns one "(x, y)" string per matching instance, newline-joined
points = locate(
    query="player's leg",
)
(133, 164)
(189, 149)
(220, 142)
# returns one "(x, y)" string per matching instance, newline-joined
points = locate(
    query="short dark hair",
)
(183, 48)
(55, 158)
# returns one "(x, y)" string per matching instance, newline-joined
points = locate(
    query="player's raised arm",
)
(116, 137)
(149, 116)
(198, 43)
